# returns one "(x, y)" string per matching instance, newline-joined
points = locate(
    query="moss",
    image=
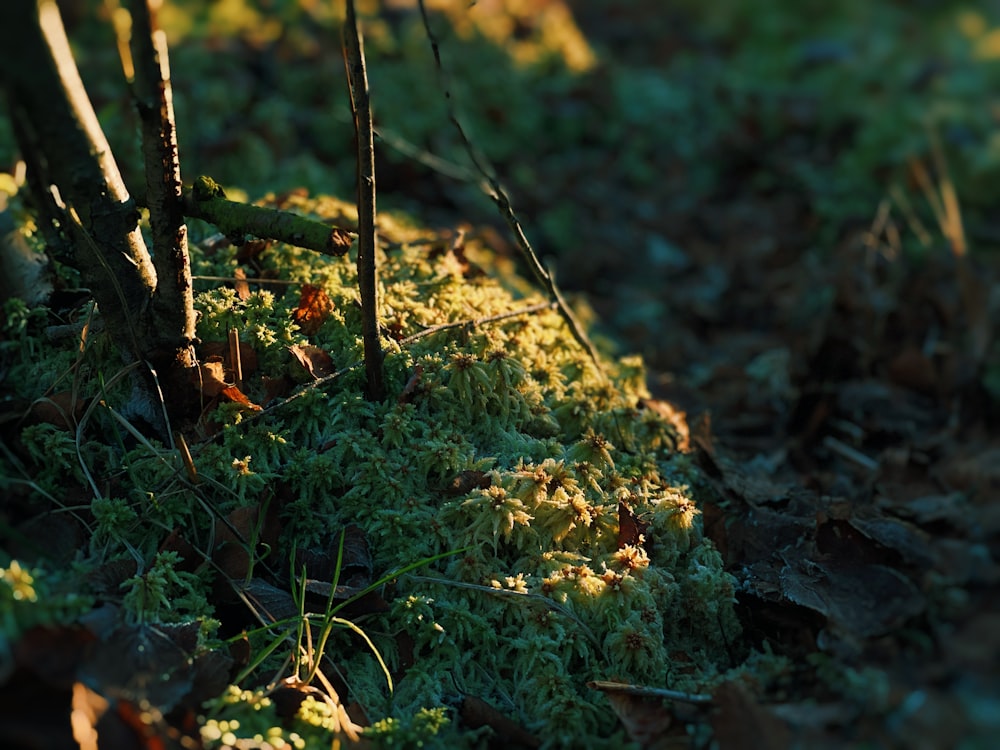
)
(32, 596)
(555, 448)
(499, 442)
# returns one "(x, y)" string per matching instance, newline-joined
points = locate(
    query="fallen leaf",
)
(141, 663)
(631, 531)
(62, 410)
(211, 377)
(675, 417)
(476, 713)
(646, 721)
(242, 527)
(406, 395)
(858, 599)
(467, 481)
(236, 396)
(241, 285)
(317, 362)
(313, 310)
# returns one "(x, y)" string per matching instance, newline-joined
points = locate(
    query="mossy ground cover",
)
(538, 591)
(709, 175)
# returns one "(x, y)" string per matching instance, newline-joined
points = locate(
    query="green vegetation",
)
(501, 453)
(543, 595)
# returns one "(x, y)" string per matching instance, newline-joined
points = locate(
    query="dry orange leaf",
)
(212, 376)
(241, 285)
(313, 310)
(234, 394)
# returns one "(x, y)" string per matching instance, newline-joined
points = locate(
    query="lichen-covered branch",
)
(357, 81)
(207, 200)
(151, 91)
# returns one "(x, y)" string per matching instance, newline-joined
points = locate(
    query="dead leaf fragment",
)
(675, 417)
(647, 721)
(476, 712)
(62, 410)
(631, 531)
(241, 285)
(211, 376)
(236, 396)
(317, 362)
(313, 310)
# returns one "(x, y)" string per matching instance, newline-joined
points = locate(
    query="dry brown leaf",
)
(211, 377)
(317, 362)
(631, 531)
(675, 417)
(241, 286)
(476, 712)
(313, 310)
(222, 350)
(467, 481)
(276, 387)
(243, 526)
(62, 410)
(235, 395)
(647, 721)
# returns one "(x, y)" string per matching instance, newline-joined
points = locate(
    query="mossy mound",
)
(500, 441)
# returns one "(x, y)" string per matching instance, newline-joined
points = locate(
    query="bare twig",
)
(478, 322)
(499, 196)
(642, 691)
(357, 83)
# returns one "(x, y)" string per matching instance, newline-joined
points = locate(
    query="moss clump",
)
(501, 440)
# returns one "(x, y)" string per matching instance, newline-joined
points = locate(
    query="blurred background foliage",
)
(631, 134)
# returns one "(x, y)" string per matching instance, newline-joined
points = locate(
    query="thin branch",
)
(43, 83)
(499, 196)
(206, 200)
(478, 322)
(643, 691)
(357, 83)
(153, 98)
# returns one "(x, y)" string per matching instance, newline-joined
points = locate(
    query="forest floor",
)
(792, 215)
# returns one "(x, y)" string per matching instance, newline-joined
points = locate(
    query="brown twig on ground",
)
(357, 83)
(500, 197)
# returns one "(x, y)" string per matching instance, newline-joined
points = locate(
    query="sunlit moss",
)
(500, 442)
(553, 448)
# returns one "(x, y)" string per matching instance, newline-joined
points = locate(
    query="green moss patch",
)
(573, 550)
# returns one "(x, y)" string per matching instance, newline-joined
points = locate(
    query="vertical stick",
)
(357, 82)
(173, 300)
